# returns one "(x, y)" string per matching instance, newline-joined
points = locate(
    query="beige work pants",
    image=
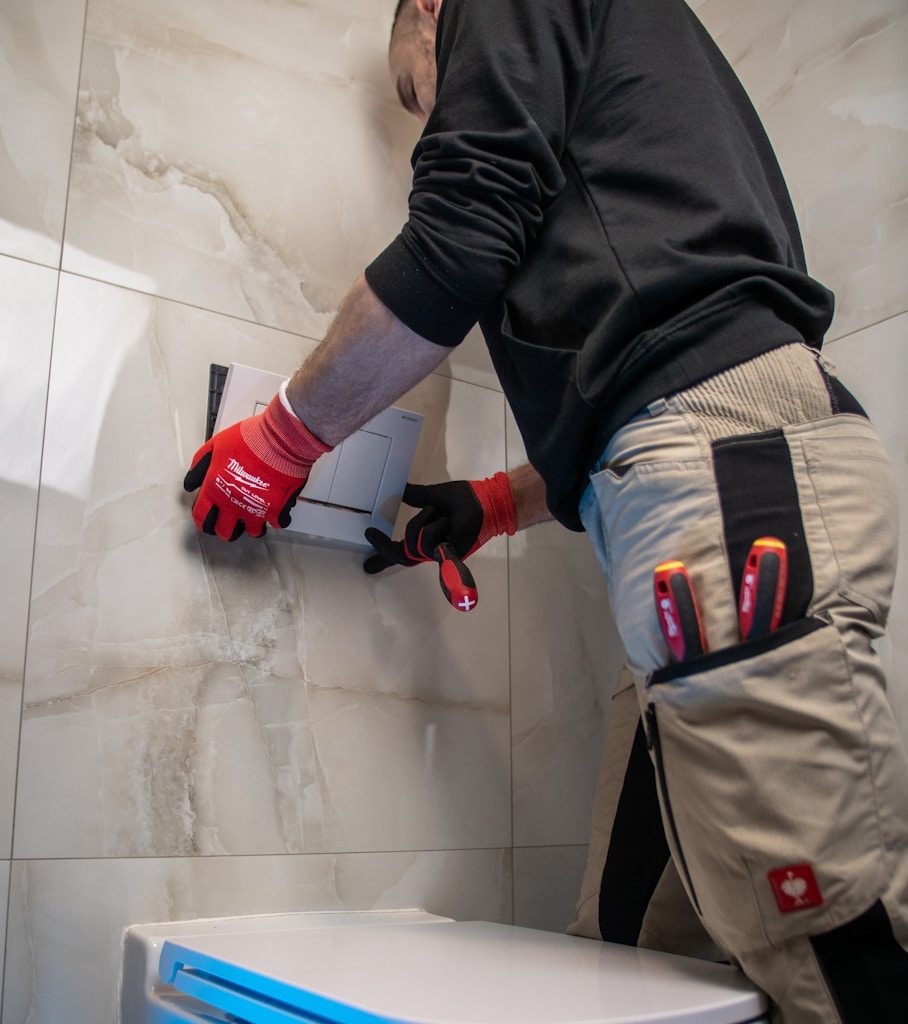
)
(775, 763)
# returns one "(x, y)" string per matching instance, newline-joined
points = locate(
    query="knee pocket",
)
(763, 765)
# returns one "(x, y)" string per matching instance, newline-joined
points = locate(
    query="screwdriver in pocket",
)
(763, 587)
(677, 610)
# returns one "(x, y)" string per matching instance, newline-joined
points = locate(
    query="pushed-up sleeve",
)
(510, 78)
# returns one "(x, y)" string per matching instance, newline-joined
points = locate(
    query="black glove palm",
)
(451, 512)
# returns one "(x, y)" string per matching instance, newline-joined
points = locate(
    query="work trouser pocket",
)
(765, 786)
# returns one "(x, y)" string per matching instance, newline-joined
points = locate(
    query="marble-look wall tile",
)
(249, 158)
(40, 47)
(874, 364)
(27, 296)
(546, 885)
(245, 156)
(185, 696)
(829, 82)
(565, 660)
(67, 917)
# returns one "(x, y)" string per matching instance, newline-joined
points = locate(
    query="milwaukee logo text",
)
(237, 470)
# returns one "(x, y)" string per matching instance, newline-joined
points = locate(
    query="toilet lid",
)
(451, 973)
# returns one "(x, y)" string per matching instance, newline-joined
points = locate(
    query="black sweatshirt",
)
(595, 189)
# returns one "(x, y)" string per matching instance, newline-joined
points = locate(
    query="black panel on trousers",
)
(637, 853)
(841, 398)
(759, 498)
(865, 968)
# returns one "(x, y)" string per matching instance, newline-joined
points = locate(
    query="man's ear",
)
(430, 7)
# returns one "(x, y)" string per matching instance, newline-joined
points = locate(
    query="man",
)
(594, 188)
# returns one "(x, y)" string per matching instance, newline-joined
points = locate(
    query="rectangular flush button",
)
(359, 470)
(318, 486)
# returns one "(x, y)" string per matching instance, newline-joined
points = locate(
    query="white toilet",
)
(410, 967)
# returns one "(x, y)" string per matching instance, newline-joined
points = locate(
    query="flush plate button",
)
(359, 470)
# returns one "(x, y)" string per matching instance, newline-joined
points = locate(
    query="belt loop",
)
(657, 407)
(825, 363)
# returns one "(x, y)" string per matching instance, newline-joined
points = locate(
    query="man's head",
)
(411, 55)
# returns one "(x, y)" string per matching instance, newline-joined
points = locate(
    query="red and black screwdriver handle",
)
(679, 617)
(763, 586)
(455, 579)
(760, 602)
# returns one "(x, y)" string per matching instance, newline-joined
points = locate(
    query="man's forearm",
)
(529, 497)
(366, 362)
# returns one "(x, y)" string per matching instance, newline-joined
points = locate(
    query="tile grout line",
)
(72, 140)
(31, 579)
(155, 297)
(866, 327)
(30, 262)
(273, 856)
(507, 467)
(308, 337)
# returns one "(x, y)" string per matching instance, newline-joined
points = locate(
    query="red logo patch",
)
(795, 887)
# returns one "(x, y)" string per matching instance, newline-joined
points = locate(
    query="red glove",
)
(464, 513)
(252, 473)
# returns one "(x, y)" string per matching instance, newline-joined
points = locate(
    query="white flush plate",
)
(356, 486)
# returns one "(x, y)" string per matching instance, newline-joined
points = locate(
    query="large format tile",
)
(245, 156)
(829, 82)
(565, 660)
(250, 158)
(186, 696)
(27, 295)
(547, 885)
(67, 917)
(874, 365)
(40, 46)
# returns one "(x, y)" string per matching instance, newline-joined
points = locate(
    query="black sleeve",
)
(510, 75)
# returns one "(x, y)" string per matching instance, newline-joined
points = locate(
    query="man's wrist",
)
(285, 401)
(497, 501)
(529, 494)
(281, 440)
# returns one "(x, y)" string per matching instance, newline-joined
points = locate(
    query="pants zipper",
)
(654, 744)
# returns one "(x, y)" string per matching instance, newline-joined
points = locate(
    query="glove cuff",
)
(281, 440)
(497, 500)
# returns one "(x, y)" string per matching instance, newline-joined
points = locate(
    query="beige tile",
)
(184, 696)
(829, 82)
(40, 47)
(67, 917)
(565, 659)
(406, 772)
(874, 364)
(547, 885)
(251, 160)
(470, 361)
(27, 295)
(243, 156)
